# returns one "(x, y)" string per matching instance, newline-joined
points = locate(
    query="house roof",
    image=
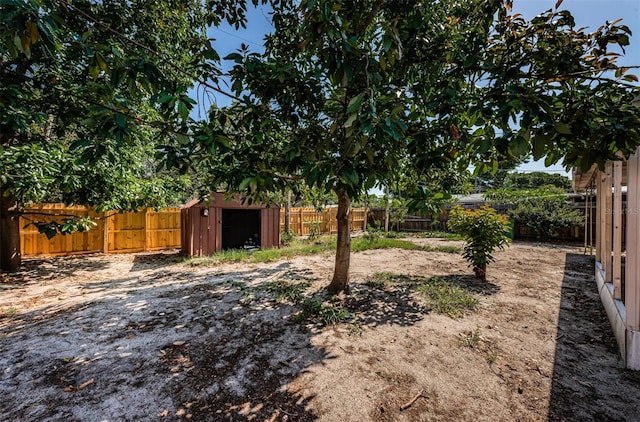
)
(582, 179)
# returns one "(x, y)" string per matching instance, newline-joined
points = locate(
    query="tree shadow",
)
(153, 260)
(42, 269)
(588, 383)
(199, 348)
(470, 284)
(399, 304)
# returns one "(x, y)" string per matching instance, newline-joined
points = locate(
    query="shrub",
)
(545, 211)
(314, 228)
(286, 238)
(546, 216)
(484, 231)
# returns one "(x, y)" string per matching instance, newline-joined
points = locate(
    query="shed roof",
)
(218, 200)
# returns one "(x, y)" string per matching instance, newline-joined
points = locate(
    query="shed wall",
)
(202, 235)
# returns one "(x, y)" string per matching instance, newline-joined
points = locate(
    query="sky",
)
(587, 13)
(591, 14)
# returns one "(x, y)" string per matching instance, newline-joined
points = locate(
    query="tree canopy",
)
(348, 94)
(88, 89)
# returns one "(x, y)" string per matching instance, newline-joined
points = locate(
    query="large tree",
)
(347, 91)
(87, 88)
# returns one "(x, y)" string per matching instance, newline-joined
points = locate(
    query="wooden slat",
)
(600, 222)
(608, 228)
(119, 233)
(632, 273)
(617, 230)
(300, 218)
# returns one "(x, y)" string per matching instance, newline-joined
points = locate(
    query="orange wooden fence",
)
(302, 220)
(146, 230)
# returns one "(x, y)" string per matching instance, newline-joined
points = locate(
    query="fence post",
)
(146, 229)
(301, 232)
(105, 233)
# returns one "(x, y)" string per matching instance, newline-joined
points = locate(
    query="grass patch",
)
(297, 247)
(326, 313)
(447, 298)
(471, 338)
(286, 291)
(441, 296)
(360, 244)
(440, 235)
(306, 247)
(8, 311)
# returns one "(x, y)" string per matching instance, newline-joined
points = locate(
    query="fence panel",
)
(33, 242)
(115, 232)
(302, 220)
(163, 229)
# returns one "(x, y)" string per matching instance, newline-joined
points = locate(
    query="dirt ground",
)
(146, 337)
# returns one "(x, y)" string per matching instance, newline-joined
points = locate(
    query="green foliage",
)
(363, 243)
(303, 247)
(537, 179)
(471, 338)
(545, 211)
(331, 313)
(373, 233)
(286, 291)
(446, 298)
(441, 235)
(9, 311)
(314, 228)
(90, 90)
(484, 231)
(69, 225)
(286, 238)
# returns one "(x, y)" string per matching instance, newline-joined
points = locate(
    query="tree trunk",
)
(287, 214)
(340, 280)
(10, 259)
(386, 209)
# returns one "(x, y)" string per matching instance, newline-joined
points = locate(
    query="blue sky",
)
(587, 13)
(592, 14)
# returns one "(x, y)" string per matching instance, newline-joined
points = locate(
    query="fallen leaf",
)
(178, 343)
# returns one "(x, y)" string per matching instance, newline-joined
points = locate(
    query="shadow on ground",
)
(198, 348)
(588, 383)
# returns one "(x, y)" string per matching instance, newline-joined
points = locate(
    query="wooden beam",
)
(632, 270)
(617, 230)
(105, 232)
(608, 226)
(600, 221)
(145, 240)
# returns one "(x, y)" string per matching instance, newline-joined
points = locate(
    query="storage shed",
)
(209, 227)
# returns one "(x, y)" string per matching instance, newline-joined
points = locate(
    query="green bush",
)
(314, 228)
(545, 211)
(286, 238)
(484, 231)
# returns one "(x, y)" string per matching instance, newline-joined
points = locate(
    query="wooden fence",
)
(418, 223)
(303, 219)
(146, 230)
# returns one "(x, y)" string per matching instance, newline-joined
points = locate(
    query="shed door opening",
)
(240, 228)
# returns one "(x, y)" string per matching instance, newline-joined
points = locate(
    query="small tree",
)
(483, 230)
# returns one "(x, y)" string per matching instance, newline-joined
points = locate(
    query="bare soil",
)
(146, 337)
